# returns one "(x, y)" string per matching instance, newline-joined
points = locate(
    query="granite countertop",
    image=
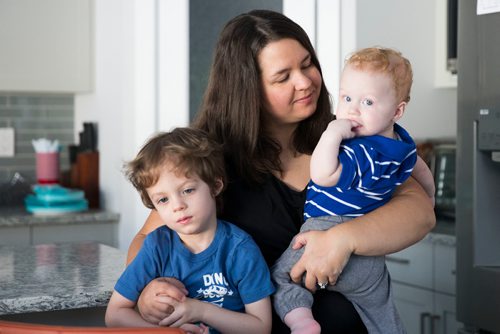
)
(53, 277)
(18, 216)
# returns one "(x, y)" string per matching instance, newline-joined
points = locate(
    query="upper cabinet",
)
(46, 45)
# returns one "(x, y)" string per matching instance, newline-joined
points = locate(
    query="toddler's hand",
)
(184, 312)
(153, 303)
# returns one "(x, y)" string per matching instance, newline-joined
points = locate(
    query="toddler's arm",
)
(325, 165)
(423, 175)
(121, 313)
(256, 319)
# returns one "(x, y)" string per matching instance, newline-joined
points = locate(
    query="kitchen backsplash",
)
(35, 116)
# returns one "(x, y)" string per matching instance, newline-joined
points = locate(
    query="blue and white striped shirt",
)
(372, 167)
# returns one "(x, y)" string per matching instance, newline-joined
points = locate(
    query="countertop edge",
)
(20, 218)
(51, 303)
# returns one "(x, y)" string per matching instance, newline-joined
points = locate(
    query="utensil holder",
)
(47, 168)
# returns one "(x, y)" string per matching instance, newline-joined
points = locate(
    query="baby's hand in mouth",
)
(355, 125)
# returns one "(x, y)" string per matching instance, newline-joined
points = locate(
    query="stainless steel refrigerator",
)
(478, 169)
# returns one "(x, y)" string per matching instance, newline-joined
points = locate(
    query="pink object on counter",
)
(47, 168)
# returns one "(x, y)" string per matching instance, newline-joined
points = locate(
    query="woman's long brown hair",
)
(232, 108)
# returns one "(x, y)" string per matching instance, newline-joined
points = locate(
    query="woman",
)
(267, 104)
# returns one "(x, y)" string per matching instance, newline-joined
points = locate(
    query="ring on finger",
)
(322, 285)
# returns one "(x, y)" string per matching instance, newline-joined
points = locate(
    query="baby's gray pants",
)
(364, 281)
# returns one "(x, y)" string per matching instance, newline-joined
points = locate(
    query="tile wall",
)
(32, 117)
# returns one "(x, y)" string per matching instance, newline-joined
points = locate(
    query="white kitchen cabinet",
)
(414, 306)
(423, 283)
(445, 320)
(15, 235)
(18, 227)
(445, 268)
(424, 311)
(47, 45)
(413, 265)
(104, 232)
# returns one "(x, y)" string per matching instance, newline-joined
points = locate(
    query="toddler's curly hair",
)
(188, 151)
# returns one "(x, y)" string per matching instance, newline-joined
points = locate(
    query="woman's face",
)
(291, 82)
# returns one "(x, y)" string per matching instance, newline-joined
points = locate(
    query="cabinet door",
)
(104, 233)
(46, 45)
(445, 268)
(413, 265)
(12, 236)
(445, 319)
(415, 307)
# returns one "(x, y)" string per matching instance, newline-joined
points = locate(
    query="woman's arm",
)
(152, 303)
(403, 221)
(152, 223)
(256, 318)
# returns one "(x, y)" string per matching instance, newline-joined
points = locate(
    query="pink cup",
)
(47, 168)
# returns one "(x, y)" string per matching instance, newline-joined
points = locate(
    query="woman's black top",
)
(272, 214)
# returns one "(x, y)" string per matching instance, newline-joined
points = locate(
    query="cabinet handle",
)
(397, 260)
(434, 319)
(423, 317)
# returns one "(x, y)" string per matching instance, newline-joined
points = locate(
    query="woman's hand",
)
(325, 255)
(154, 303)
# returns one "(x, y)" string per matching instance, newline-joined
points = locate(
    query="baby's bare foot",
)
(306, 326)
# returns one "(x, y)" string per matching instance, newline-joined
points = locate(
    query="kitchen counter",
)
(53, 277)
(18, 216)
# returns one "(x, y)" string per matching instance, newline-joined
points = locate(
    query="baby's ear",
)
(399, 112)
